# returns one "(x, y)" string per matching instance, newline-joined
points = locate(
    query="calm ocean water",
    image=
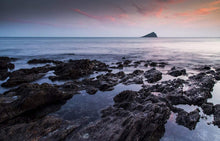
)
(179, 50)
(186, 52)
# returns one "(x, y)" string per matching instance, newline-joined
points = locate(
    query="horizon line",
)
(101, 37)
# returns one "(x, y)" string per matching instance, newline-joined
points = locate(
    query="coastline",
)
(156, 97)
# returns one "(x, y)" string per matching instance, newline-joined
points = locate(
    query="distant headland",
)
(152, 34)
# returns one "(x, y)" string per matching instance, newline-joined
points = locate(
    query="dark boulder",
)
(127, 62)
(177, 72)
(217, 115)
(91, 90)
(133, 78)
(207, 108)
(203, 68)
(188, 120)
(178, 98)
(153, 75)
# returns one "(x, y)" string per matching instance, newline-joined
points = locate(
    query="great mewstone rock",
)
(152, 34)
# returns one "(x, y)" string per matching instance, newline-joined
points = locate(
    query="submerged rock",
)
(25, 76)
(203, 68)
(43, 61)
(29, 97)
(188, 120)
(91, 91)
(153, 75)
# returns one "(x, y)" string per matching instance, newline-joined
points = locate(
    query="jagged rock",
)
(131, 118)
(75, 69)
(166, 87)
(162, 64)
(127, 62)
(29, 97)
(207, 108)
(177, 72)
(188, 120)
(203, 68)
(47, 128)
(25, 76)
(91, 91)
(153, 64)
(176, 99)
(203, 85)
(217, 75)
(133, 78)
(4, 66)
(104, 82)
(217, 115)
(43, 61)
(153, 75)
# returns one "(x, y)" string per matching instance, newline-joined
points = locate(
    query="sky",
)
(109, 18)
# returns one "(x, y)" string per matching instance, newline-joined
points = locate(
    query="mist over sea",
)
(185, 51)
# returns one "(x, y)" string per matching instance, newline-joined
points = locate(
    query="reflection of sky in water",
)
(215, 94)
(202, 132)
(89, 106)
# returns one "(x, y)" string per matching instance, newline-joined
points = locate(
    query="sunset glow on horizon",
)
(107, 18)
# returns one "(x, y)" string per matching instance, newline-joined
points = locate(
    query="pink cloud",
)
(111, 18)
(154, 8)
(205, 11)
(201, 11)
(159, 12)
(215, 2)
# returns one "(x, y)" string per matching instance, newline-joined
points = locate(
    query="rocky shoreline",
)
(136, 115)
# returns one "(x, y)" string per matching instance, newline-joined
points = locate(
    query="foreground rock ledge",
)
(48, 128)
(28, 97)
(4, 66)
(134, 116)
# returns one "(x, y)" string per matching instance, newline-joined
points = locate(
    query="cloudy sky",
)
(109, 18)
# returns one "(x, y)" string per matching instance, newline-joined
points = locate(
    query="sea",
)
(182, 52)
